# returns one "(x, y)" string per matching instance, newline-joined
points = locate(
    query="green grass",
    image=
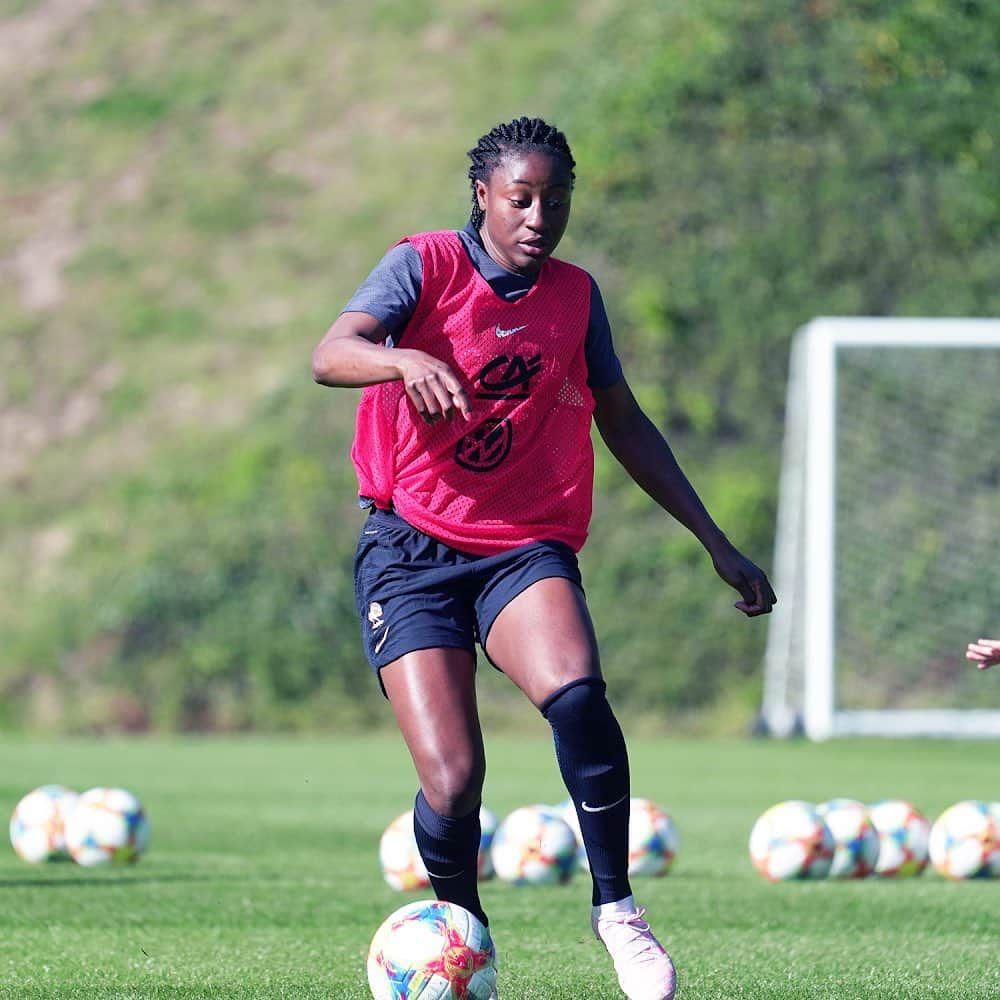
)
(262, 878)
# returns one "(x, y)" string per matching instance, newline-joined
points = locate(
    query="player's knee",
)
(583, 703)
(584, 726)
(455, 786)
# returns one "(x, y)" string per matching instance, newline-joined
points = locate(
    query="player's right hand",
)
(433, 388)
(984, 652)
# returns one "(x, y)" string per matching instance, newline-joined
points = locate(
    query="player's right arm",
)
(984, 653)
(353, 353)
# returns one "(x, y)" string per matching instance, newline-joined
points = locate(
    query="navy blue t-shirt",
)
(390, 294)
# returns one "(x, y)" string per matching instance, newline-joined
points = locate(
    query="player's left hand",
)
(756, 593)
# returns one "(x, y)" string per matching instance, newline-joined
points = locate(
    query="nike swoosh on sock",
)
(600, 809)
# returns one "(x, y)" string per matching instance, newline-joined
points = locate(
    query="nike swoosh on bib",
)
(501, 332)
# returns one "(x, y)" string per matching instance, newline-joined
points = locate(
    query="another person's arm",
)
(984, 652)
(642, 450)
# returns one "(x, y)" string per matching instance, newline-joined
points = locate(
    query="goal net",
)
(887, 553)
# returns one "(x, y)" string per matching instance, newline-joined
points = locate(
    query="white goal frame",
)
(801, 698)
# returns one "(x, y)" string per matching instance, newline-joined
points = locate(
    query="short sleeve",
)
(604, 368)
(391, 292)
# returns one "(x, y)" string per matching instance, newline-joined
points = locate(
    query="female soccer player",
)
(484, 360)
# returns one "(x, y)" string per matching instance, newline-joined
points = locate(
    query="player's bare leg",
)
(544, 641)
(433, 695)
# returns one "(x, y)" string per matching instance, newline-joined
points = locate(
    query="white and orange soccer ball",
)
(402, 866)
(107, 826)
(38, 823)
(431, 950)
(567, 810)
(534, 845)
(790, 841)
(399, 856)
(488, 823)
(652, 837)
(855, 841)
(965, 841)
(903, 833)
(994, 808)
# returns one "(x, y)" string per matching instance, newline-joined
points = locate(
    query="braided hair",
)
(522, 133)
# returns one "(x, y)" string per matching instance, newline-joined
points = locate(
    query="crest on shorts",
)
(375, 615)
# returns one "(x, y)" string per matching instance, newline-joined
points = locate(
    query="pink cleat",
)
(645, 970)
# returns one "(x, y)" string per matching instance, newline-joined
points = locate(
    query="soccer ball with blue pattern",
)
(567, 810)
(399, 856)
(488, 824)
(534, 845)
(402, 867)
(38, 823)
(791, 841)
(903, 832)
(994, 808)
(652, 837)
(108, 826)
(431, 950)
(855, 842)
(965, 841)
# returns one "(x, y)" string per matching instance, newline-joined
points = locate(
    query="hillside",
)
(190, 193)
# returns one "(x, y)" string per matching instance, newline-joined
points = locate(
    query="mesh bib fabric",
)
(521, 469)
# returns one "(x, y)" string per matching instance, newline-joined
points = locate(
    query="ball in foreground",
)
(430, 950)
(534, 845)
(965, 841)
(903, 832)
(108, 826)
(791, 841)
(38, 823)
(855, 842)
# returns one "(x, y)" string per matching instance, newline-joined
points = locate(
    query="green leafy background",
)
(191, 192)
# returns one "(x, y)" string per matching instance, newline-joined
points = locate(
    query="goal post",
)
(887, 545)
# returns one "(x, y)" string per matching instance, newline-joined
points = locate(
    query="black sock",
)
(590, 749)
(449, 848)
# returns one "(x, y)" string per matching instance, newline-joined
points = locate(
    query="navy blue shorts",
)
(414, 592)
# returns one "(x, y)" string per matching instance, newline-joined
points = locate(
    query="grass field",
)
(262, 879)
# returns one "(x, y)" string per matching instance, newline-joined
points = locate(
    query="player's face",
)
(526, 201)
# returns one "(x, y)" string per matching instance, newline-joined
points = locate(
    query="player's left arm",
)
(644, 453)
